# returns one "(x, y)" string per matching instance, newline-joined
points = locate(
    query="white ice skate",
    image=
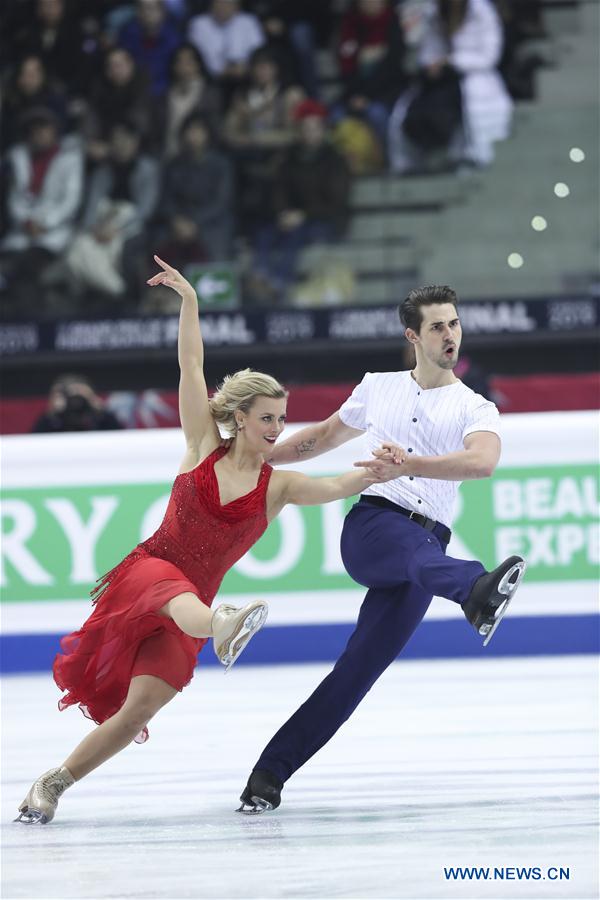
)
(41, 802)
(232, 629)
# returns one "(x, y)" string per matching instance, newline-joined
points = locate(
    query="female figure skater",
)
(152, 614)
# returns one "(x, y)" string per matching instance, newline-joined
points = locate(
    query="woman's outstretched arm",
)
(199, 428)
(302, 490)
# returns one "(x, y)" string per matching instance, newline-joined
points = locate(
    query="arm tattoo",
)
(305, 446)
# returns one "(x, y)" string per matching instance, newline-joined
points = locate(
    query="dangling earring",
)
(240, 427)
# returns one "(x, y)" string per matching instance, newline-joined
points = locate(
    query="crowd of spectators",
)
(200, 128)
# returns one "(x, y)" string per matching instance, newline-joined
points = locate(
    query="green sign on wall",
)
(216, 285)
(57, 541)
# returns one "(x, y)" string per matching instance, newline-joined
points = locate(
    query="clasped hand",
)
(388, 462)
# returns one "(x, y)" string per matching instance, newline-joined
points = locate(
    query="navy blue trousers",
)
(404, 566)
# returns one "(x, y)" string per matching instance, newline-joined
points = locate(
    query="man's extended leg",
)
(390, 613)
(403, 565)
(381, 547)
(386, 621)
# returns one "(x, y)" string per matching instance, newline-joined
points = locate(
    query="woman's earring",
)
(240, 427)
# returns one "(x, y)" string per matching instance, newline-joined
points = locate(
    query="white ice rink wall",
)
(73, 505)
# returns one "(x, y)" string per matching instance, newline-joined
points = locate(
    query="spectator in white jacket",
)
(466, 35)
(45, 181)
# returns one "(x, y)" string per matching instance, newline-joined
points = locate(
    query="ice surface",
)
(446, 763)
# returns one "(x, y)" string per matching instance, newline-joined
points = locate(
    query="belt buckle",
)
(413, 514)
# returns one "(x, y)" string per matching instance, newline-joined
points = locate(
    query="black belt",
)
(428, 524)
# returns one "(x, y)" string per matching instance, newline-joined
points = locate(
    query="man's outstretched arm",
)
(313, 440)
(478, 459)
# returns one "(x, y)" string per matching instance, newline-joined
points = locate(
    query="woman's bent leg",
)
(147, 694)
(190, 614)
(230, 627)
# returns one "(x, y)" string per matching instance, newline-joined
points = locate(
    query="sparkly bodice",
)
(198, 534)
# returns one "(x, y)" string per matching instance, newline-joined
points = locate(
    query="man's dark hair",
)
(410, 309)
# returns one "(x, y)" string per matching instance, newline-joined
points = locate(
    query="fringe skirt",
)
(126, 636)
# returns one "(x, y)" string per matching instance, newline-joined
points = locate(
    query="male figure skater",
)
(439, 433)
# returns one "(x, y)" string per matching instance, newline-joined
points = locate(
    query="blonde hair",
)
(239, 391)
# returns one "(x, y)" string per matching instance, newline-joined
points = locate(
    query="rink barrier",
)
(445, 639)
(97, 495)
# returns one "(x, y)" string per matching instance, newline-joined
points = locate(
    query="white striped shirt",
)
(391, 406)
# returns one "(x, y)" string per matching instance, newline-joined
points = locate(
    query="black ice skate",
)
(488, 601)
(262, 793)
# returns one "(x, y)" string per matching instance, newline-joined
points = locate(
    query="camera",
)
(76, 404)
(78, 413)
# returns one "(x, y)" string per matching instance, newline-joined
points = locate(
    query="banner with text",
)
(73, 505)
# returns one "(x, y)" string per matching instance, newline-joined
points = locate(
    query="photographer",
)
(73, 405)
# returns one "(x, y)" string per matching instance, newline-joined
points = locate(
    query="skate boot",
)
(490, 595)
(262, 793)
(232, 629)
(40, 803)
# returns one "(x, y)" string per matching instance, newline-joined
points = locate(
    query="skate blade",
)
(257, 807)
(251, 624)
(31, 817)
(508, 585)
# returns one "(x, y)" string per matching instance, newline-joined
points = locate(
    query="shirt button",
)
(418, 393)
(410, 449)
(414, 420)
(411, 477)
(418, 501)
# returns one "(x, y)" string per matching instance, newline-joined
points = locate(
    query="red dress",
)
(195, 545)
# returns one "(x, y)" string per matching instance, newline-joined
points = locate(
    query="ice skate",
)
(232, 629)
(262, 793)
(490, 596)
(41, 802)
